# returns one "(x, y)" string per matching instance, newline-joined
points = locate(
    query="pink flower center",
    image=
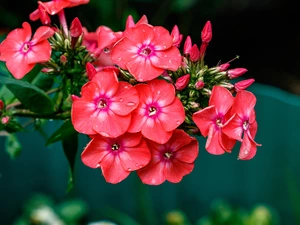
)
(219, 122)
(246, 125)
(146, 51)
(102, 104)
(168, 155)
(115, 147)
(152, 111)
(25, 48)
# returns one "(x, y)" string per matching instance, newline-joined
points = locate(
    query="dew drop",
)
(130, 104)
(119, 59)
(246, 152)
(98, 165)
(129, 169)
(165, 55)
(177, 122)
(165, 46)
(137, 165)
(121, 99)
(170, 61)
(158, 92)
(142, 165)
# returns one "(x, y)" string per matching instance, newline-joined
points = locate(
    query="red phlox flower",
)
(146, 51)
(105, 105)
(116, 157)
(90, 39)
(42, 14)
(159, 112)
(213, 118)
(170, 161)
(55, 6)
(243, 123)
(21, 54)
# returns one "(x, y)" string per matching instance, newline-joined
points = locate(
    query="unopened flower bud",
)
(194, 54)
(1, 105)
(177, 37)
(5, 120)
(223, 67)
(129, 22)
(47, 70)
(194, 105)
(182, 82)
(234, 73)
(226, 85)
(206, 33)
(63, 59)
(187, 45)
(242, 85)
(199, 85)
(75, 28)
(90, 70)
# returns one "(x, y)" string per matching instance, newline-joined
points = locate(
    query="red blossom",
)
(21, 53)
(105, 105)
(146, 51)
(159, 111)
(213, 118)
(170, 161)
(116, 157)
(243, 125)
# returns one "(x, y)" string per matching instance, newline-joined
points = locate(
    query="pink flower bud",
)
(194, 54)
(223, 67)
(63, 59)
(1, 105)
(75, 28)
(187, 45)
(182, 82)
(90, 70)
(242, 85)
(177, 37)
(129, 22)
(5, 120)
(199, 85)
(234, 73)
(206, 33)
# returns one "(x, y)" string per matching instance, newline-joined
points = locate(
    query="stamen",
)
(168, 155)
(246, 125)
(102, 104)
(152, 111)
(115, 147)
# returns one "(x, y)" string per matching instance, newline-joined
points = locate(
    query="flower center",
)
(115, 147)
(219, 122)
(25, 48)
(246, 125)
(102, 104)
(106, 50)
(168, 155)
(146, 51)
(152, 111)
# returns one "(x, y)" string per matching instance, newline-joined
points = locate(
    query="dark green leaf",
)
(43, 81)
(64, 131)
(32, 97)
(13, 146)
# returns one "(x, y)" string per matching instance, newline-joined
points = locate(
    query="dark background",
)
(264, 33)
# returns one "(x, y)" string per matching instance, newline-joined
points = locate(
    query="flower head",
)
(159, 111)
(146, 51)
(105, 105)
(243, 123)
(212, 119)
(170, 161)
(116, 157)
(21, 53)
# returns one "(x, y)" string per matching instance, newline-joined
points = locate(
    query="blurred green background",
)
(265, 33)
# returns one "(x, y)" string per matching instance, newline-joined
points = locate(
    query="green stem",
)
(28, 113)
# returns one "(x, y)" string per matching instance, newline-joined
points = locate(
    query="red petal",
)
(39, 53)
(162, 39)
(153, 130)
(175, 170)
(112, 169)
(168, 59)
(248, 148)
(204, 119)
(153, 173)
(134, 158)
(213, 142)
(234, 128)
(94, 152)
(18, 66)
(222, 99)
(41, 34)
(53, 7)
(140, 34)
(163, 92)
(244, 103)
(125, 100)
(172, 115)
(107, 82)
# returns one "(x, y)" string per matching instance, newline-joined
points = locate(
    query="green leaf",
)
(64, 131)
(43, 81)
(32, 97)
(13, 146)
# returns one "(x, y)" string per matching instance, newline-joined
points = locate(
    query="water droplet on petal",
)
(119, 59)
(130, 104)
(142, 165)
(121, 99)
(165, 46)
(129, 169)
(158, 92)
(165, 55)
(246, 152)
(170, 61)
(137, 165)
(177, 122)
(98, 165)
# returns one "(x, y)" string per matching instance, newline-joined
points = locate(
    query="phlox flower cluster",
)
(139, 97)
